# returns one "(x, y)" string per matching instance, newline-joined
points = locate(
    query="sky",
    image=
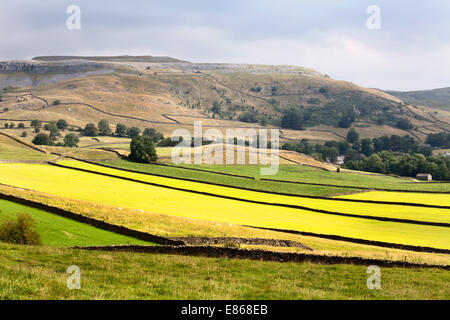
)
(410, 50)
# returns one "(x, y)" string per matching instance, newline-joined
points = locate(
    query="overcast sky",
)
(411, 51)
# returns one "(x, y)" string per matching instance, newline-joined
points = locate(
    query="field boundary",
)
(195, 240)
(91, 221)
(258, 254)
(360, 241)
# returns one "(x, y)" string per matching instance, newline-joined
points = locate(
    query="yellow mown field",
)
(370, 209)
(425, 198)
(126, 194)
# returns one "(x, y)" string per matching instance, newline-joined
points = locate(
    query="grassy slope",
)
(141, 276)
(293, 173)
(227, 180)
(437, 98)
(11, 150)
(376, 210)
(312, 175)
(150, 96)
(60, 231)
(115, 192)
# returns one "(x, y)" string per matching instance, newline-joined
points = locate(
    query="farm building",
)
(424, 176)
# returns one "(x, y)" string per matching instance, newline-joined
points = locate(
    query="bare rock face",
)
(36, 68)
(32, 73)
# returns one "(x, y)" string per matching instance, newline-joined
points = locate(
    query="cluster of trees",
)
(327, 152)
(407, 165)
(70, 140)
(12, 125)
(439, 140)
(402, 144)
(103, 129)
(355, 149)
(343, 111)
(249, 116)
(91, 130)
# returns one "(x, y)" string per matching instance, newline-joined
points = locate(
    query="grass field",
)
(111, 191)
(227, 180)
(294, 173)
(371, 209)
(39, 273)
(11, 150)
(59, 231)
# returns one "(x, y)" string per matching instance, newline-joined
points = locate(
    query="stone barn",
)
(424, 177)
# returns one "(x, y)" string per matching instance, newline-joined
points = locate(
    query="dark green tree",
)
(42, 139)
(103, 128)
(133, 132)
(62, 124)
(90, 130)
(143, 150)
(71, 140)
(352, 136)
(121, 130)
(154, 134)
(36, 124)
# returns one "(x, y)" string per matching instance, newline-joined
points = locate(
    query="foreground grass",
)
(59, 231)
(127, 194)
(172, 226)
(39, 273)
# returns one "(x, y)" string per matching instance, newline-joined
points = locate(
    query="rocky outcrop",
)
(37, 68)
(30, 73)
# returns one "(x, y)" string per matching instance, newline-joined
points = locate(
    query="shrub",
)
(404, 124)
(22, 231)
(24, 134)
(21, 125)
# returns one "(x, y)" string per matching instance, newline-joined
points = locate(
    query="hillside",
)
(167, 93)
(436, 98)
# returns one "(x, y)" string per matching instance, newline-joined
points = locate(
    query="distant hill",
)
(166, 93)
(436, 98)
(109, 58)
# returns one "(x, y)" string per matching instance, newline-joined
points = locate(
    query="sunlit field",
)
(112, 191)
(371, 209)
